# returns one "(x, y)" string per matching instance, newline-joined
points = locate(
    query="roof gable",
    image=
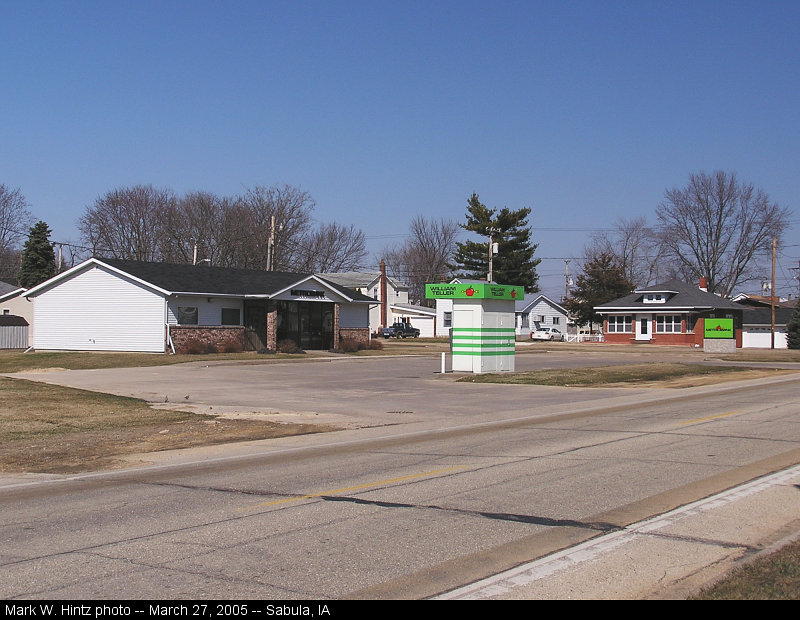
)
(526, 306)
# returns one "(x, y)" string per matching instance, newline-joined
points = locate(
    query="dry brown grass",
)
(47, 428)
(657, 374)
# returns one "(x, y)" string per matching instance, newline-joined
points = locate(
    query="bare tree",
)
(331, 248)
(197, 228)
(15, 220)
(718, 228)
(635, 246)
(128, 223)
(291, 207)
(424, 257)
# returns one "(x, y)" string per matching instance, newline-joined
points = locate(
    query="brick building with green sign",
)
(672, 313)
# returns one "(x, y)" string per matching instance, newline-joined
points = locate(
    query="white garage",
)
(99, 309)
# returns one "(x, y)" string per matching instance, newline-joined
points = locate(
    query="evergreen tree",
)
(38, 258)
(603, 280)
(514, 262)
(793, 329)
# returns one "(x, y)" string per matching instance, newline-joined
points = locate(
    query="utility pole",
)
(271, 244)
(492, 252)
(566, 279)
(772, 294)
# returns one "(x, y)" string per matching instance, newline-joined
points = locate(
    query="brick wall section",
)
(336, 335)
(359, 334)
(219, 336)
(272, 330)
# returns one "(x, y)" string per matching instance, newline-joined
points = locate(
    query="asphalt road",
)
(465, 481)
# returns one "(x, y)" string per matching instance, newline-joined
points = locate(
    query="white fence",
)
(584, 337)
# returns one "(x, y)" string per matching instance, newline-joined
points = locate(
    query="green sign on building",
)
(718, 328)
(474, 291)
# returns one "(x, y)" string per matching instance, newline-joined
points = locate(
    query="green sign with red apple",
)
(718, 328)
(474, 291)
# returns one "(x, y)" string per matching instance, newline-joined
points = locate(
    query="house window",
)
(187, 315)
(526, 319)
(542, 318)
(556, 320)
(231, 316)
(668, 324)
(448, 319)
(620, 324)
(6, 311)
(654, 298)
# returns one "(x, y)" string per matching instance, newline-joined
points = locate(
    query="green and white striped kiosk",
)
(482, 335)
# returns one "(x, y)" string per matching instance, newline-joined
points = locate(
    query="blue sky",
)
(583, 111)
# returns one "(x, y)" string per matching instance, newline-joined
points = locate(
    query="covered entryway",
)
(308, 323)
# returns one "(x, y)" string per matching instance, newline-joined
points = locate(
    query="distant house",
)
(115, 305)
(395, 307)
(14, 303)
(757, 321)
(539, 311)
(669, 313)
(421, 317)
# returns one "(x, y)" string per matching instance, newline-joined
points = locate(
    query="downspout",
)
(169, 340)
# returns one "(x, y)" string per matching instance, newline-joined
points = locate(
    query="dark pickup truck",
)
(400, 330)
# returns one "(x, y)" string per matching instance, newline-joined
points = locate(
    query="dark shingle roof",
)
(681, 295)
(5, 288)
(763, 316)
(12, 320)
(203, 279)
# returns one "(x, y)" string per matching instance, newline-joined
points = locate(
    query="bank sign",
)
(474, 291)
(718, 328)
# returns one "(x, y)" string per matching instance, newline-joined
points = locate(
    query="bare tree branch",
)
(718, 228)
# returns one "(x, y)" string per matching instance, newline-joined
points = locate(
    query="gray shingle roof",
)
(5, 287)
(203, 279)
(359, 279)
(680, 295)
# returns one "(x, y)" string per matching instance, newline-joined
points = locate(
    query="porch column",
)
(335, 326)
(272, 330)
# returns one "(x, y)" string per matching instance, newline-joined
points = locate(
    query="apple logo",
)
(470, 292)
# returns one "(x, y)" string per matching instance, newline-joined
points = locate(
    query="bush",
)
(288, 346)
(232, 346)
(193, 347)
(374, 345)
(348, 345)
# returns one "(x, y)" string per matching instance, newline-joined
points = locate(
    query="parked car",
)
(400, 330)
(547, 333)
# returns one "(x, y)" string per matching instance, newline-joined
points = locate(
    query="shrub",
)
(374, 345)
(348, 345)
(288, 346)
(232, 346)
(193, 347)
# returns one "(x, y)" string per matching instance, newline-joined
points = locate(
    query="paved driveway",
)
(352, 392)
(362, 391)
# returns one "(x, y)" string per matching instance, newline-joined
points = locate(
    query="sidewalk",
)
(670, 556)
